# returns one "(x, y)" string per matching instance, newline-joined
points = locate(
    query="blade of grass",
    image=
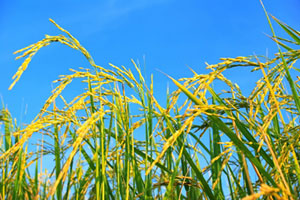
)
(289, 30)
(57, 161)
(216, 167)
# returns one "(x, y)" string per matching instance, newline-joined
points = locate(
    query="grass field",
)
(204, 143)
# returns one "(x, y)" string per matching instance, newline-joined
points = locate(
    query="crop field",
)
(116, 141)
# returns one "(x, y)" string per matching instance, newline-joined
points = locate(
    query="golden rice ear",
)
(32, 49)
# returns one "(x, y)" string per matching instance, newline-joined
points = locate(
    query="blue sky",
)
(169, 35)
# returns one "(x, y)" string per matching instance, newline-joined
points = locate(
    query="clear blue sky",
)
(170, 34)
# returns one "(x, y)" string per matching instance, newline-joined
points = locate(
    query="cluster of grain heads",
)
(116, 141)
(259, 133)
(16, 182)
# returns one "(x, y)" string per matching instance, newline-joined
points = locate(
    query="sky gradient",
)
(168, 35)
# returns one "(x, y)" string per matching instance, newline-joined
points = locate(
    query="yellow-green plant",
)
(115, 141)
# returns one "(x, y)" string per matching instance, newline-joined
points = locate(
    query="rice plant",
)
(115, 141)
